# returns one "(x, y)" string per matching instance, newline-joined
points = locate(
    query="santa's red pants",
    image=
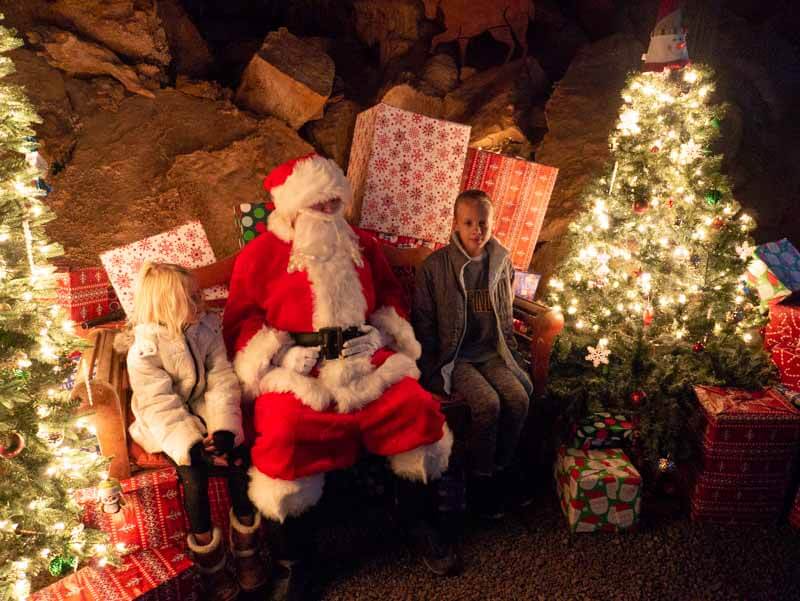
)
(294, 440)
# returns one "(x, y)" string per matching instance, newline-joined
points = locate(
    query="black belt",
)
(331, 340)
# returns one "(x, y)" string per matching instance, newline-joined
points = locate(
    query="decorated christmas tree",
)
(651, 290)
(41, 460)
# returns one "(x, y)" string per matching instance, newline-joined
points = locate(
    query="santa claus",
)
(317, 331)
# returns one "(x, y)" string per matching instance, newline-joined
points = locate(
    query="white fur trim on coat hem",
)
(308, 389)
(424, 463)
(389, 322)
(277, 499)
(252, 362)
(354, 383)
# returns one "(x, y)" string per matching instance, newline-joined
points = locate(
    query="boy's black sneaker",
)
(486, 497)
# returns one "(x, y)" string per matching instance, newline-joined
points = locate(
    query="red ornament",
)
(14, 448)
(655, 149)
(640, 206)
(647, 317)
(698, 347)
(718, 223)
(637, 397)
(670, 202)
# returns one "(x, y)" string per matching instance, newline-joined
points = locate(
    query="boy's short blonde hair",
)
(166, 294)
(478, 197)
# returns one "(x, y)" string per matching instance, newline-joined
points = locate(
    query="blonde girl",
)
(186, 403)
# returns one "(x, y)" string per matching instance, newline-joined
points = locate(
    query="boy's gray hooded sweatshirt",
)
(439, 314)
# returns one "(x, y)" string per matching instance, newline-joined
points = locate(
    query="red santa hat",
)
(667, 48)
(303, 182)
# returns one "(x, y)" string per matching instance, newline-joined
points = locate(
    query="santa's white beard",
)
(318, 236)
(326, 248)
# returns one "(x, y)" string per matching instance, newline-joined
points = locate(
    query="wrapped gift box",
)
(152, 575)
(525, 284)
(520, 192)
(764, 281)
(792, 395)
(152, 515)
(601, 430)
(783, 328)
(788, 362)
(186, 245)
(748, 444)
(783, 259)
(598, 489)
(251, 220)
(739, 420)
(84, 293)
(405, 170)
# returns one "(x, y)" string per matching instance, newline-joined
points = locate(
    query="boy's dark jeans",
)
(195, 491)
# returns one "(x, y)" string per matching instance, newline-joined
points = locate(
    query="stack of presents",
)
(406, 170)
(747, 462)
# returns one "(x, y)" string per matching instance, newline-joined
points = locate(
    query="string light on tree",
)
(40, 447)
(654, 265)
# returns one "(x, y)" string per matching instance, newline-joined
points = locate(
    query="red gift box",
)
(709, 487)
(738, 420)
(152, 575)
(788, 362)
(783, 328)
(730, 514)
(153, 514)
(83, 293)
(520, 192)
(747, 463)
(151, 517)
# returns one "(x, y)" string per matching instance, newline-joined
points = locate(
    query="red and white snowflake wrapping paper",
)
(520, 192)
(186, 245)
(405, 170)
(165, 574)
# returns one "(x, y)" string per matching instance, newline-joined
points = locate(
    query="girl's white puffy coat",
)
(164, 371)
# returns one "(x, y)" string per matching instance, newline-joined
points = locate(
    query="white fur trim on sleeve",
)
(424, 463)
(389, 322)
(277, 499)
(252, 362)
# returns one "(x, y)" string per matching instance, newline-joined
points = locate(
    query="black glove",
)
(223, 441)
(199, 456)
(240, 457)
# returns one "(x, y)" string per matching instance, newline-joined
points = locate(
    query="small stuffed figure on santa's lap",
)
(317, 330)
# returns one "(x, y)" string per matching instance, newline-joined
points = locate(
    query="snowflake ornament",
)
(745, 250)
(598, 355)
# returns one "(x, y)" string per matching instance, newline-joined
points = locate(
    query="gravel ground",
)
(529, 555)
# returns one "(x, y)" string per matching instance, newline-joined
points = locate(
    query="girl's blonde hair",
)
(166, 294)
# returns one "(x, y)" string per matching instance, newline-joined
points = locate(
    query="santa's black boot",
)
(426, 534)
(290, 545)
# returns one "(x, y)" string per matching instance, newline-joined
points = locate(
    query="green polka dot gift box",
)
(251, 219)
(602, 430)
(599, 490)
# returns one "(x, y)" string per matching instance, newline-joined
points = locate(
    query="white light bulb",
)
(690, 76)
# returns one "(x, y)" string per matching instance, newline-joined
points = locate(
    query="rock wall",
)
(143, 126)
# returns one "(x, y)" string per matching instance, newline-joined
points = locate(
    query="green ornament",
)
(713, 197)
(60, 563)
(715, 122)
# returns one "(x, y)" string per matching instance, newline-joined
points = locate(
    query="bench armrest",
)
(542, 326)
(102, 386)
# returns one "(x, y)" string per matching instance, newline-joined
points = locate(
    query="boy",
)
(462, 316)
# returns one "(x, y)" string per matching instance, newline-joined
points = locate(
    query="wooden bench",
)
(103, 388)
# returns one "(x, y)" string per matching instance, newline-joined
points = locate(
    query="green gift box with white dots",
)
(251, 219)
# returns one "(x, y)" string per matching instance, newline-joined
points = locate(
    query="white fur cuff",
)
(389, 322)
(278, 499)
(306, 388)
(424, 463)
(253, 361)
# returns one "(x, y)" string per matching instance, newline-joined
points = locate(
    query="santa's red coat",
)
(311, 424)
